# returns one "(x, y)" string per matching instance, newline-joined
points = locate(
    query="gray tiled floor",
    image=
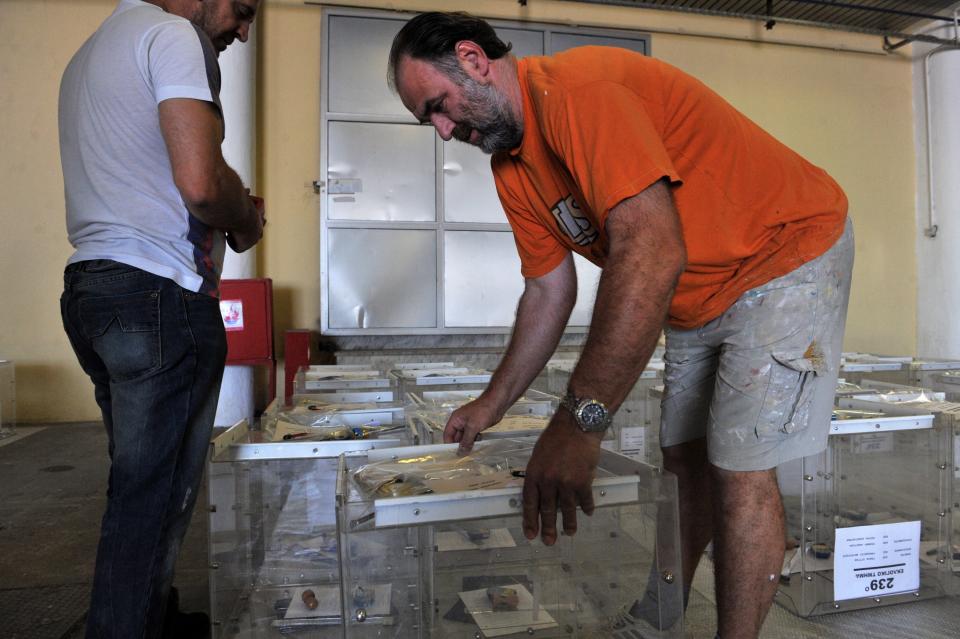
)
(53, 486)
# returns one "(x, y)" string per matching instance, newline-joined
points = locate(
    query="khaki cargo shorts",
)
(759, 381)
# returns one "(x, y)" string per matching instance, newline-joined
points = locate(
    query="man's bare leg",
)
(748, 548)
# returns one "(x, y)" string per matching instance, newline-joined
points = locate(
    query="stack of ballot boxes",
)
(432, 546)
(427, 414)
(867, 519)
(272, 528)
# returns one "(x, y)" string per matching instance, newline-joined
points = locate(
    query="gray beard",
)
(489, 113)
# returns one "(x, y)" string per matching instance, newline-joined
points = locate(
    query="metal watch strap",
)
(573, 403)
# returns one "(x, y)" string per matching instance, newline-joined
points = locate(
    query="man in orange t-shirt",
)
(704, 225)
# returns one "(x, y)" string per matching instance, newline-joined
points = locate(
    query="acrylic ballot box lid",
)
(859, 416)
(935, 365)
(871, 358)
(333, 378)
(241, 443)
(406, 366)
(385, 397)
(354, 408)
(870, 367)
(870, 363)
(618, 481)
(440, 376)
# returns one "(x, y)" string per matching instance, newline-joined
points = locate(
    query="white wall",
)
(938, 257)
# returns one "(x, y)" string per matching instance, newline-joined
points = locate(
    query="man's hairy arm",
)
(211, 190)
(542, 314)
(647, 256)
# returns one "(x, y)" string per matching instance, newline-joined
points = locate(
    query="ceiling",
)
(882, 17)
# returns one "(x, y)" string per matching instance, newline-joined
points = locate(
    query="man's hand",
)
(559, 474)
(467, 421)
(240, 241)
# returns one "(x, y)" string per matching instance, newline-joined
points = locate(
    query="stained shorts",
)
(759, 381)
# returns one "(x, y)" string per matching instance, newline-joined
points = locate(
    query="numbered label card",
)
(871, 561)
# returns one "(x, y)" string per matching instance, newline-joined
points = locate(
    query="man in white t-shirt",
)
(150, 205)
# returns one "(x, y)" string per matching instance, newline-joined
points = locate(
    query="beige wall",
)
(848, 112)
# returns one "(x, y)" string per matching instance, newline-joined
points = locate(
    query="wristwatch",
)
(591, 415)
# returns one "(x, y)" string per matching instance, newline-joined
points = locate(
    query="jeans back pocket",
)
(124, 330)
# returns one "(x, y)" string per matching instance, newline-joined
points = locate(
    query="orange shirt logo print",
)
(571, 222)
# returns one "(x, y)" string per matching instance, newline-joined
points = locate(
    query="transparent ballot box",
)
(8, 398)
(447, 378)
(889, 368)
(558, 376)
(946, 423)
(542, 381)
(636, 424)
(926, 372)
(948, 383)
(865, 519)
(432, 546)
(912, 371)
(310, 379)
(272, 533)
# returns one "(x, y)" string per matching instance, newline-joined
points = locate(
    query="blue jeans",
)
(155, 353)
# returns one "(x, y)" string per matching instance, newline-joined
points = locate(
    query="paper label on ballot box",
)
(873, 561)
(232, 313)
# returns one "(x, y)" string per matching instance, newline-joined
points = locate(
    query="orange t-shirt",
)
(602, 124)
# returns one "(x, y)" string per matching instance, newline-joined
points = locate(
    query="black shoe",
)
(187, 625)
(184, 625)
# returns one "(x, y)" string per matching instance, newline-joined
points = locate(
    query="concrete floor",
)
(53, 482)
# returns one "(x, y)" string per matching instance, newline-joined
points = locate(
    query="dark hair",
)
(432, 36)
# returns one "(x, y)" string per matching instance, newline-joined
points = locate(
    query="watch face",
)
(593, 414)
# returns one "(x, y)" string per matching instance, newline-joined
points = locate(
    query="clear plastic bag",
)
(496, 465)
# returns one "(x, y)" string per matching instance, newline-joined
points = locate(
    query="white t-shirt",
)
(121, 201)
